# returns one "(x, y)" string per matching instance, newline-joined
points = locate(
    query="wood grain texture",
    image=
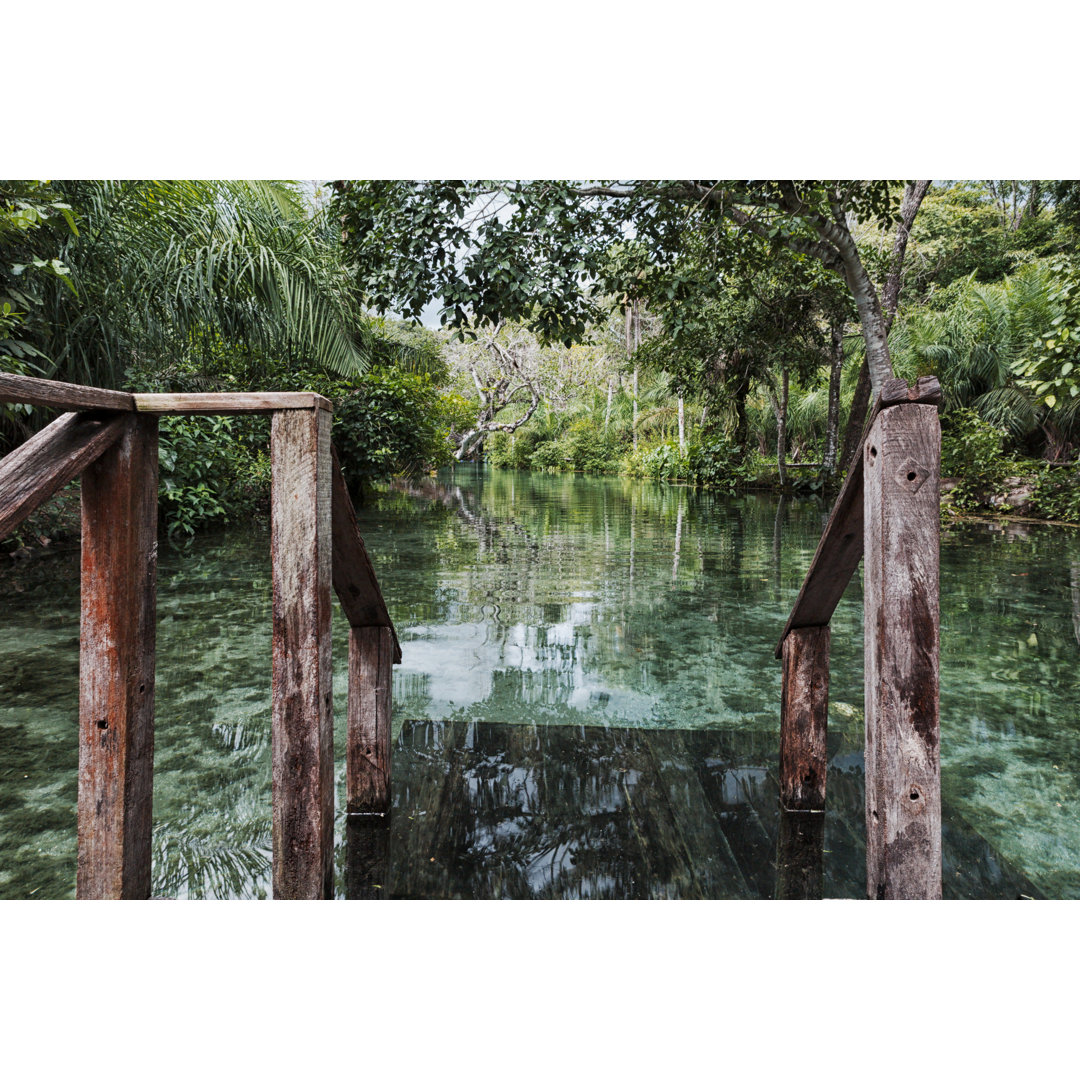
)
(841, 546)
(116, 666)
(804, 712)
(302, 747)
(222, 404)
(35, 471)
(901, 456)
(837, 556)
(354, 576)
(367, 756)
(926, 390)
(59, 395)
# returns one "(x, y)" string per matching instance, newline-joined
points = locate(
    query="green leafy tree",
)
(548, 252)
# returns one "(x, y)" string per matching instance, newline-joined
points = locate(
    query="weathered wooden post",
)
(367, 776)
(111, 437)
(373, 650)
(116, 665)
(302, 746)
(804, 710)
(901, 466)
(887, 511)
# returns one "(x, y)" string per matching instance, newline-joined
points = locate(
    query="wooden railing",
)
(888, 512)
(110, 439)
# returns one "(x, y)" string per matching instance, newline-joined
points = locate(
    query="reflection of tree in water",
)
(616, 585)
(485, 810)
(202, 857)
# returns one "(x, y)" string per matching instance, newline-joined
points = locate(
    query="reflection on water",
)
(588, 703)
(486, 811)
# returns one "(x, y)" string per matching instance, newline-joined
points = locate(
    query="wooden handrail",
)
(111, 439)
(225, 404)
(841, 546)
(355, 582)
(41, 466)
(24, 390)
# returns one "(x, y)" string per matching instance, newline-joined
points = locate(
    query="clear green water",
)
(588, 704)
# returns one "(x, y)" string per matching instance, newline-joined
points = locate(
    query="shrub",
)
(716, 461)
(972, 451)
(392, 422)
(589, 448)
(512, 450)
(1057, 495)
(210, 470)
(657, 462)
(549, 457)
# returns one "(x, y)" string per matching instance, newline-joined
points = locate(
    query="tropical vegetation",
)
(719, 333)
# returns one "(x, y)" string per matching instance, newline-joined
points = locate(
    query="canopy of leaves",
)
(546, 252)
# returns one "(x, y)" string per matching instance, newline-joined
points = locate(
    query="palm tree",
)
(973, 343)
(162, 268)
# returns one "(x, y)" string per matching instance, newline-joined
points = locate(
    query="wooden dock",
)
(483, 810)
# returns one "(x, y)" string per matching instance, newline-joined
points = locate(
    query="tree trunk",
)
(890, 299)
(832, 424)
(633, 340)
(610, 395)
(856, 419)
(742, 426)
(682, 427)
(781, 431)
(1074, 588)
(780, 412)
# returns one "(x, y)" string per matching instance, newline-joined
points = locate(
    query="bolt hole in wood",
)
(103, 724)
(911, 475)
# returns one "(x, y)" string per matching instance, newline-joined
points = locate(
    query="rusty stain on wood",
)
(223, 404)
(35, 471)
(804, 713)
(902, 628)
(367, 764)
(354, 577)
(116, 666)
(302, 749)
(60, 395)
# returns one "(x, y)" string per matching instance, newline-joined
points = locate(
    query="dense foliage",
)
(705, 332)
